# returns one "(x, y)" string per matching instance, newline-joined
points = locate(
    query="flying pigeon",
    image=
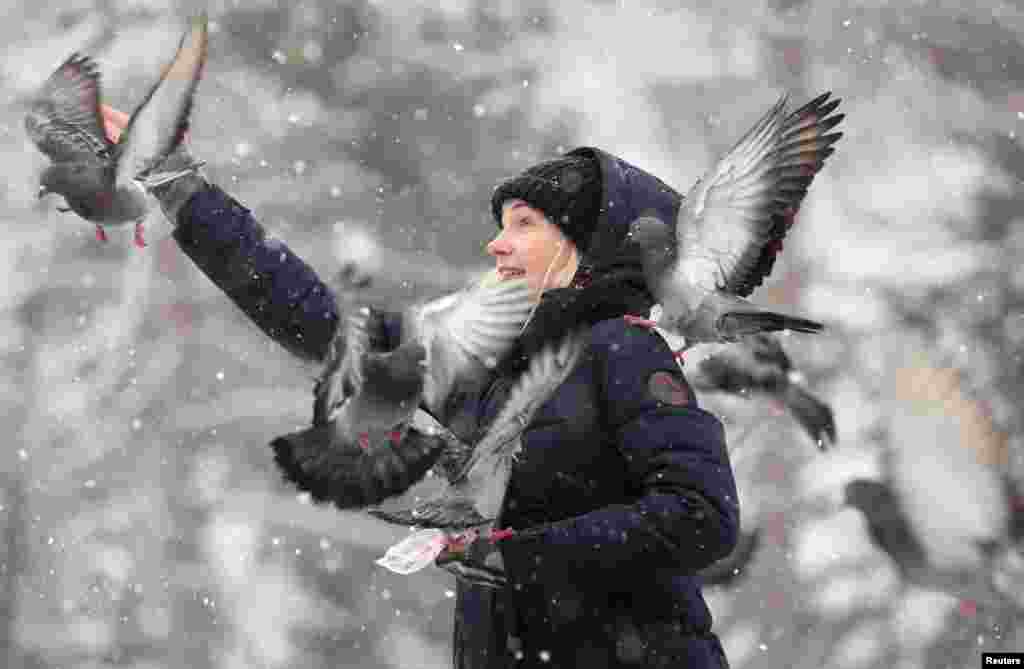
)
(759, 365)
(474, 498)
(730, 227)
(948, 520)
(370, 438)
(103, 182)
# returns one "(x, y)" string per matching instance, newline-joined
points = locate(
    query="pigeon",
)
(892, 531)
(374, 431)
(360, 447)
(759, 365)
(103, 182)
(948, 520)
(475, 496)
(730, 227)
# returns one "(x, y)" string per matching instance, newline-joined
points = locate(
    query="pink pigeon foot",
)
(642, 322)
(498, 535)
(101, 234)
(139, 240)
(460, 540)
(364, 440)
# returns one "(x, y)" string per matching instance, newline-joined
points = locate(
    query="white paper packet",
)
(415, 552)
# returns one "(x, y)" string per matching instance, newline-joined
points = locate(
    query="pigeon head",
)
(654, 240)
(397, 375)
(63, 178)
(866, 495)
(650, 234)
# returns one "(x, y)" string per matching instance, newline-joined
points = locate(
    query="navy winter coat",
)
(623, 489)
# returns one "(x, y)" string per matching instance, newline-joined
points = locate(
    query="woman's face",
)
(532, 247)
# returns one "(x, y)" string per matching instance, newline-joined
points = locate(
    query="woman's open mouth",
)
(510, 273)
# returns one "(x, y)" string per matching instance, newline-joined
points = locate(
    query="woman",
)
(623, 489)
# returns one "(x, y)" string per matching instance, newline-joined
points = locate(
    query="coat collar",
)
(594, 296)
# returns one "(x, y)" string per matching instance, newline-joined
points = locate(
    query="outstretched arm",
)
(275, 288)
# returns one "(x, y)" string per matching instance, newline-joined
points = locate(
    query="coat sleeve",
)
(275, 288)
(685, 515)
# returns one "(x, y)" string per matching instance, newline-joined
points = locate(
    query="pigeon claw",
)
(968, 608)
(498, 535)
(101, 234)
(364, 440)
(140, 241)
(637, 320)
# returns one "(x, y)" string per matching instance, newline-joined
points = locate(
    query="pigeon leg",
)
(498, 535)
(642, 322)
(650, 324)
(101, 234)
(140, 241)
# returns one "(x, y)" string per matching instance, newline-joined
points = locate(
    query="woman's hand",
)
(176, 192)
(475, 559)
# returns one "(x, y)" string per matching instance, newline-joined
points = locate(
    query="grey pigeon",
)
(474, 498)
(892, 531)
(730, 227)
(360, 449)
(941, 510)
(101, 181)
(758, 365)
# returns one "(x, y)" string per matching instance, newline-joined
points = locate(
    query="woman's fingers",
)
(114, 121)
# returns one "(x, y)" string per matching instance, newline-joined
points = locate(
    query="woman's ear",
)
(564, 277)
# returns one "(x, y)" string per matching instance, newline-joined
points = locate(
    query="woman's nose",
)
(498, 246)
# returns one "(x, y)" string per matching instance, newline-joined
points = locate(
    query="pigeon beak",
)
(42, 192)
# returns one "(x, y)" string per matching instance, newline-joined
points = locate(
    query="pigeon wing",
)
(486, 322)
(546, 372)
(470, 332)
(731, 225)
(475, 495)
(342, 371)
(158, 124)
(64, 117)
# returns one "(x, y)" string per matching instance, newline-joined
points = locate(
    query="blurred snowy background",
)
(142, 523)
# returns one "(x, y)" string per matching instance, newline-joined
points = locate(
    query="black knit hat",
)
(567, 189)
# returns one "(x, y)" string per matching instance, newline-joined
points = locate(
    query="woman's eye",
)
(524, 222)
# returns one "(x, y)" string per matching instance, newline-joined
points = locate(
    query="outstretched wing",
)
(342, 374)
(486, 321)
(64, 117)
(732, 222)
(470, 332)
(548, 369)
(158, 124)
(474, 496)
